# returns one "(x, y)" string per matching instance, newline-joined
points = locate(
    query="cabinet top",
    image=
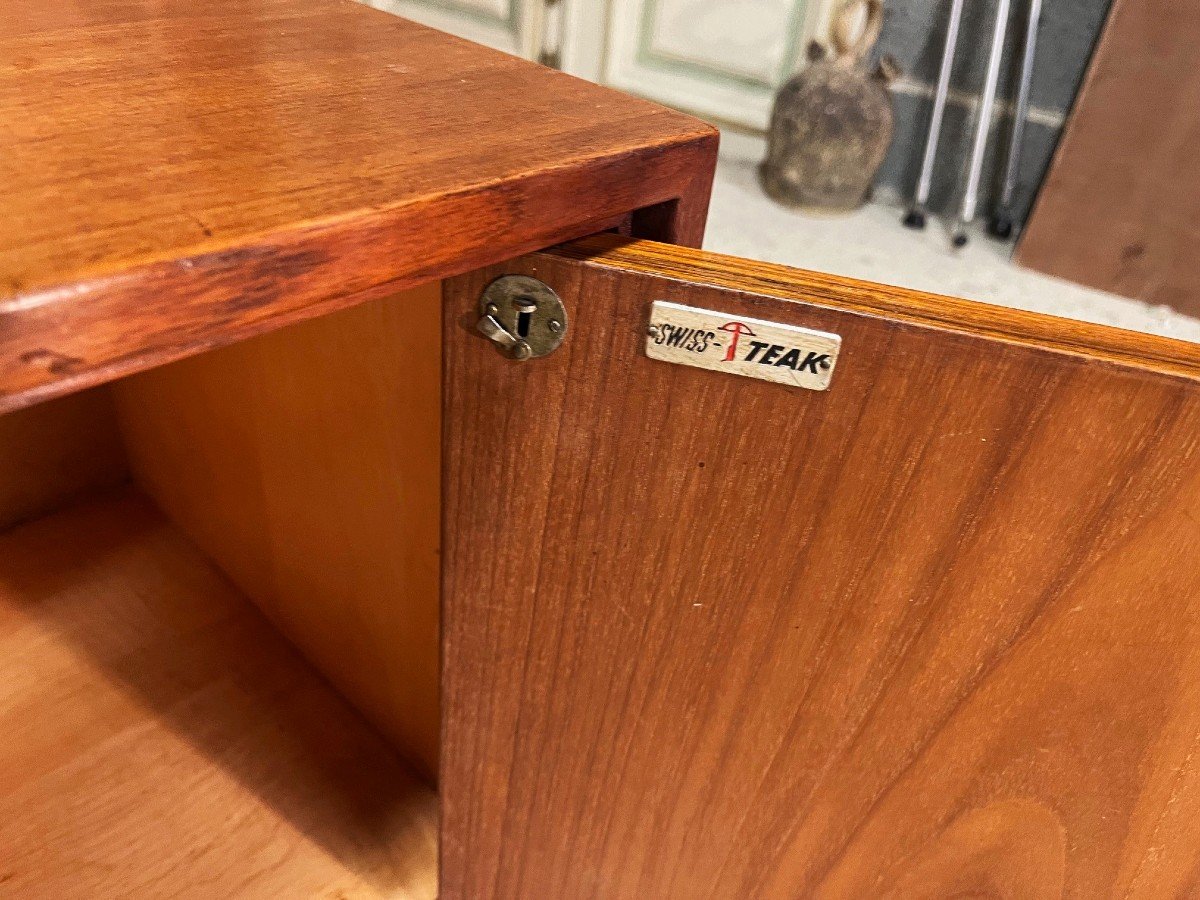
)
(179, 175)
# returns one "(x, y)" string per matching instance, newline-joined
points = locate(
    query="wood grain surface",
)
(181, 175)
(934, 632)
(53, 453)
(1003, 323)
(1117, 210)
(162, 740)
(306, 463)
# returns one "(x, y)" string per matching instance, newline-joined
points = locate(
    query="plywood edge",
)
(1098, 342)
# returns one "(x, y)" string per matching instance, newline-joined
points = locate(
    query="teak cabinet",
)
(308, 589)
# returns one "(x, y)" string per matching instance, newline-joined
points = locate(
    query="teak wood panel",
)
(305, 462)
(1117, 210)
(181, 175)
(162, 740)
(932, 632)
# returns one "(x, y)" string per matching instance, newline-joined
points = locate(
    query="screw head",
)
(554, 325)
(492, 309)
(521, 350)
(826, 364)
(652, 331)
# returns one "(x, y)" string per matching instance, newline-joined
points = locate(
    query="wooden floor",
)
(160, 739)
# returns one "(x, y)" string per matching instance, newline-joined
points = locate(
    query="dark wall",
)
(914, 32)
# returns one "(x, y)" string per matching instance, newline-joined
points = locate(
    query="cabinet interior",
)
(219, 619)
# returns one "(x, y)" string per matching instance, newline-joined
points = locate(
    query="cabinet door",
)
(931, 631)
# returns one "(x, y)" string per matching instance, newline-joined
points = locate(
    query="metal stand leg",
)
(982, 126)
(1002, 221)
(915, 217)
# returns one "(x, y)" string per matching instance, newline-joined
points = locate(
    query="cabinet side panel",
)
(934, 631)
(306, 464)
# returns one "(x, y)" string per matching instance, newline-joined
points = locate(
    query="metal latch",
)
(522, 316)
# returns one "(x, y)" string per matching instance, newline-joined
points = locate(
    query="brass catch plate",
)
(522, 316)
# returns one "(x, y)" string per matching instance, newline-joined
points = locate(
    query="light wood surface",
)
(933, 632)
(54, 452)
(306, 463)
(1117, 209)
(181, 175)
(161, 739)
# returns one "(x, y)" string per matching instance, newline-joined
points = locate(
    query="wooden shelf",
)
(181, 175)
(163, 740)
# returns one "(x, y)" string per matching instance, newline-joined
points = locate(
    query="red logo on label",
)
(738, 330)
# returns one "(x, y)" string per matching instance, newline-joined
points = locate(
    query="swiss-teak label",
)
(740, 345)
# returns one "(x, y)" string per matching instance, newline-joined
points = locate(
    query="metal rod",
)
(982, 126)
(915, 217)
(1002, 221)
